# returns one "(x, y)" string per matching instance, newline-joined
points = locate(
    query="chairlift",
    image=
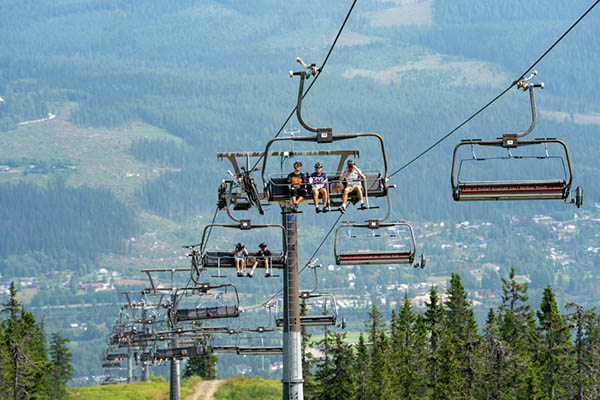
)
(327, 317)
(558, 187)
(254, 349)
(276, 187)
(390, 255)
(212, 312)
(224, 259)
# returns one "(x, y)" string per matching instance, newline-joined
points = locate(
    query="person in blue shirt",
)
(318, 181)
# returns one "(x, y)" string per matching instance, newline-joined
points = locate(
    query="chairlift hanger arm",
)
(510, 139)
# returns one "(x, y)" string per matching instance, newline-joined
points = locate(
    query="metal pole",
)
(145, 364)
(129, 365)
(174, 384)
(292, 339)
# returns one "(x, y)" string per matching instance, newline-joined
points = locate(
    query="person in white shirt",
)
(354, 178)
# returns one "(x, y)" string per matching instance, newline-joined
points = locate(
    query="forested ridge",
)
(75, 225)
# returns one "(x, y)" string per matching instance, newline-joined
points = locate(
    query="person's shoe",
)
(343, 209)
(317, 210)
(326, 209)
(240, 273)
(249, 274)
(362, 206)
(268, 275)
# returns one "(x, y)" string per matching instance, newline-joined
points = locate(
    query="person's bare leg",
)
(359, 192)
(324, 196)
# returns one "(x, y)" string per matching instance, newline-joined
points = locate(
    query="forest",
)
(31, 364)
(441, 353)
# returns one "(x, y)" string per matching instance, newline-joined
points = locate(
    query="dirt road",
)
(205, 390)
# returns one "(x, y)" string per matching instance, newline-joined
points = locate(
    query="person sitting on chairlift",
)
(239, 254)
(318, 180)
(262, 257)
(353, 176)
(297, 182)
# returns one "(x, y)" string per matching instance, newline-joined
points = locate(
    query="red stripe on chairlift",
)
(366, 256)
(512, 189)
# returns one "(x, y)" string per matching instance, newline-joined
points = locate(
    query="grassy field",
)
(249, 388)
(134, 391)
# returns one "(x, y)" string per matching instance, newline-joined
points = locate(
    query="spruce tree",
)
(24, 366)
(374, 324)
(434, 321)
(336, 377)
(61, 368)
(554, 347)
(361, 368)
(409, 351)
(203, 365)
(518, 334)
(379, 384)
(462, 329)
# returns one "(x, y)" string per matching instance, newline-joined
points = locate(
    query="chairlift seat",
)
(179, 352)
(278, 188)
(193, 314)
(115, 357)
(511, 190)
(114, 364)
(312, 320)
(224, 349)
(375, 257)
(224, 259)
(259, 350)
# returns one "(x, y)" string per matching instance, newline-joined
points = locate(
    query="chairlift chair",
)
(212, 312)
(327, 318)
(276, 188)
(224, 259)
(388, 256)
(516, 189)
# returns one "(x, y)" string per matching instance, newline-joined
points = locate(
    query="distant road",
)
(48, 118)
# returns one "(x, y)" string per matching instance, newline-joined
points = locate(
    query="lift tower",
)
(292, 337)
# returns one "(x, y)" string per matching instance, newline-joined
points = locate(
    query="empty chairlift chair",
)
(520, 187)
(386, 252)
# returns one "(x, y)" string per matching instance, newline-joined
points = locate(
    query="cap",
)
(297, 162)
(351, 162)
(318, 165)
(263, 244)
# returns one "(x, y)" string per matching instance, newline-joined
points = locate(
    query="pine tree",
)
(204, 365)
(23, 371)
(61, 368)
(584, 384)
(374, 324)
(361, 368)
(554, 347)
(336, 378)
(462, 328)
(379, 385)
(434, 320)
(409, 352)
(518, 334)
